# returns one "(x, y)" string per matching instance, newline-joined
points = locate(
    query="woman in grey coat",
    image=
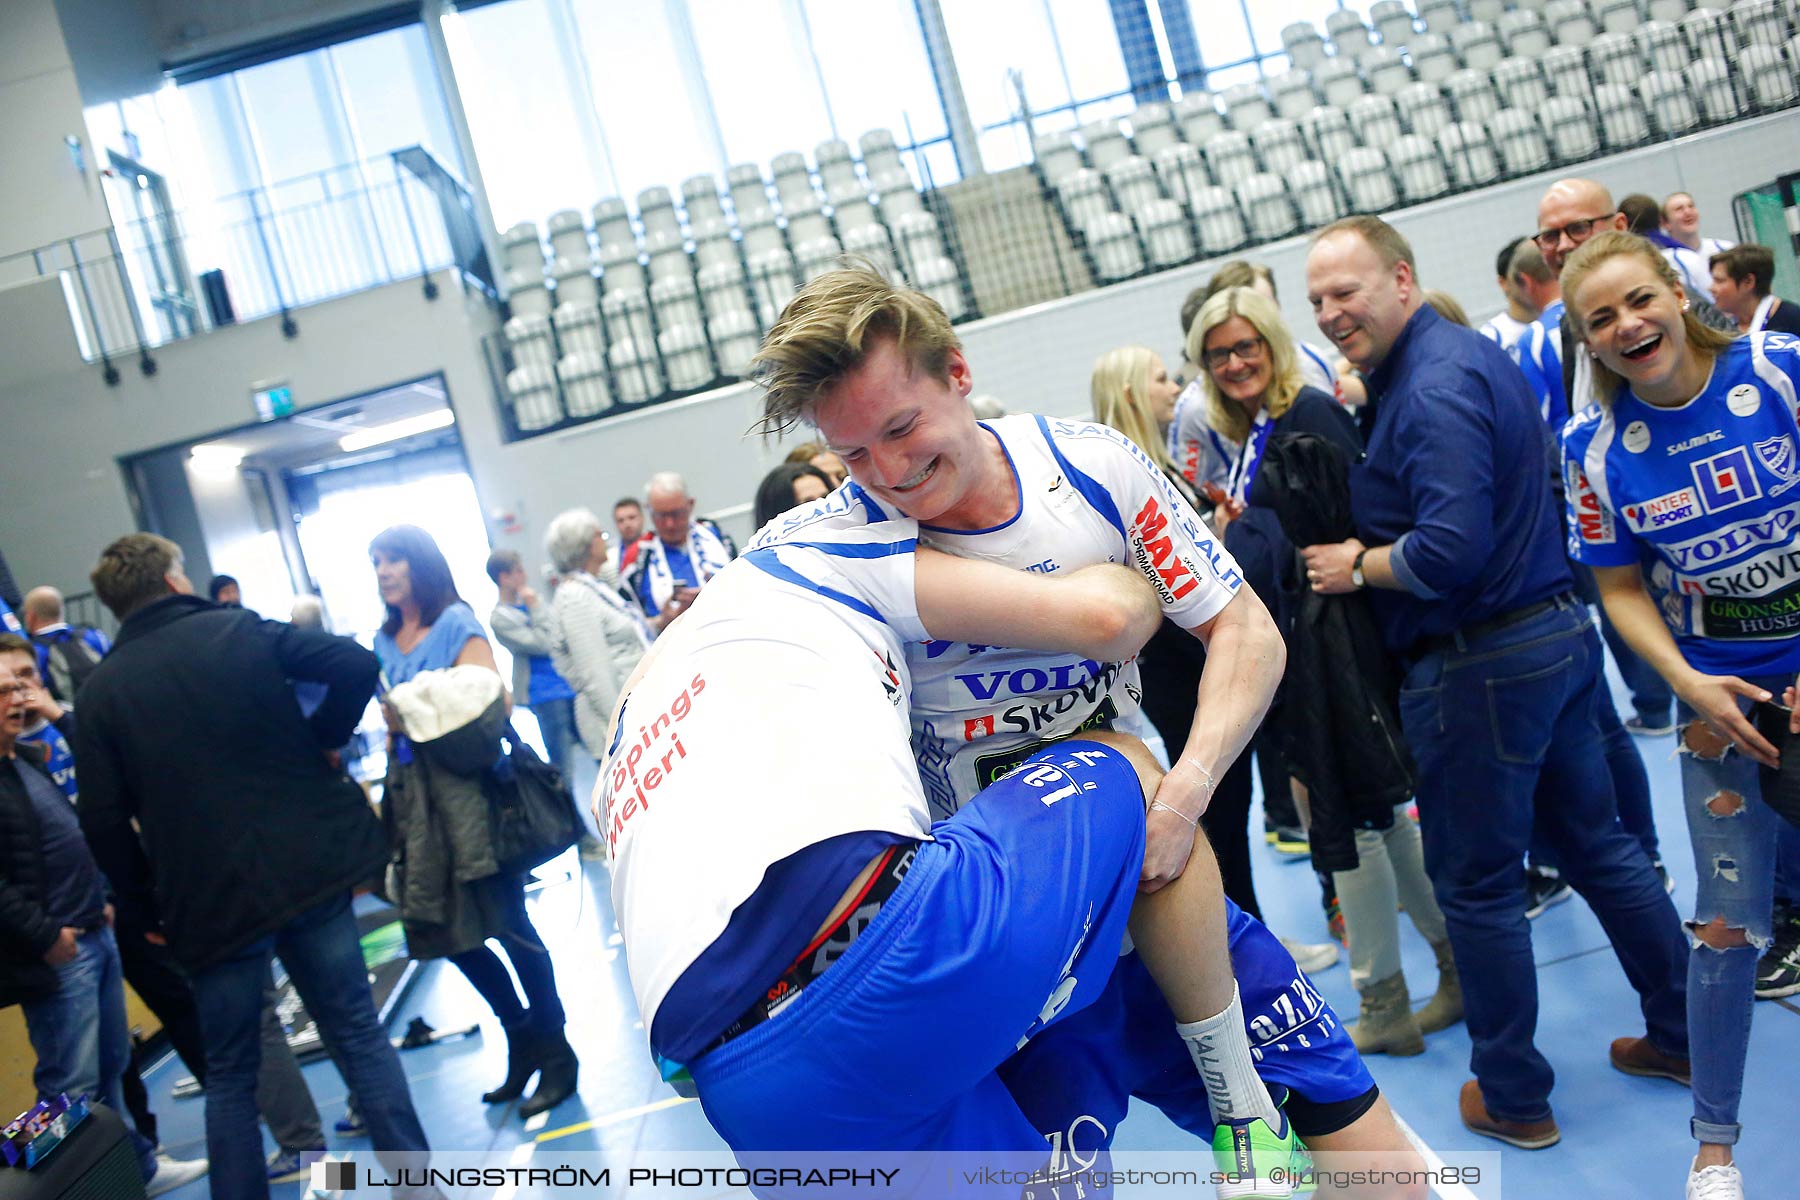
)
(599, 634)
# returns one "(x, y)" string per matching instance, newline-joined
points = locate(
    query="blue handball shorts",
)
(1077, 1078)
(1008, 921)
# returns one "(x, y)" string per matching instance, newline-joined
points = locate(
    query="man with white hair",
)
(681, 554)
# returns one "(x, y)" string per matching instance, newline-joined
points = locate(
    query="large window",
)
(649, 94)
(1064, 55)
(569, 101)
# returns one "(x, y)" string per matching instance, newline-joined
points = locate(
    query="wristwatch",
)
(1356, 574)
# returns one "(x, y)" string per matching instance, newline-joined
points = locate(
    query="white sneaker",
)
(171, 1173)
(1715, 1183)
(1312, 957)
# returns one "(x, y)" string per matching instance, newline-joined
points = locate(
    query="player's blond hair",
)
(828, 330)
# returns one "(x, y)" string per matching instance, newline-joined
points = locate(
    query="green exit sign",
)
(273, 401)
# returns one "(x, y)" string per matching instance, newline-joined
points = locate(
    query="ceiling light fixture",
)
(393, 431)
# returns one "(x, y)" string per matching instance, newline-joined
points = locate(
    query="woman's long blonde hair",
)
(1284, 359)
(1702, 338)
(1120, 386)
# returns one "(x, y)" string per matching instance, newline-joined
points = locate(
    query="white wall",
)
(43, 196)
(65, 428)
(62, 494)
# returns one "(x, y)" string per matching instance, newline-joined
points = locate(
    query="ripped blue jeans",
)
(1733, 833)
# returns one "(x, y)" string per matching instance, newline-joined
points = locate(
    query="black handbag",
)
(532, 807)
(1780, 787)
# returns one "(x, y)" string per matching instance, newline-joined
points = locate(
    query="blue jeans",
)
(80, 1036)
(1734, 860)
(324, 958)
(1492, 721)
(1631, 783)
(556, 721)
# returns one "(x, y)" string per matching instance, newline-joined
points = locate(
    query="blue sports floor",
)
(1622, 1137)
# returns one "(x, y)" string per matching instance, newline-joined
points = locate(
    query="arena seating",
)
(1416, 103)
(629, 304)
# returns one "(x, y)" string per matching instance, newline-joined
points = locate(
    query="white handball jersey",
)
(1504, 330)
(772, 718)
(1087, 495)
(1201, 453)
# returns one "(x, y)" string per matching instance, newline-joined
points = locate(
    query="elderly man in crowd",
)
(672, 566)
(1460, 544)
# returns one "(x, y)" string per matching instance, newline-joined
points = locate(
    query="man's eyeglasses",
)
(1249, 350)
(1549, 239)
(14, 688)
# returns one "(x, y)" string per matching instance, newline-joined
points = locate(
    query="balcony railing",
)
(145, 283)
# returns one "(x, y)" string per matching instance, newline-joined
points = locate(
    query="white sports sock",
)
(1221, 1052)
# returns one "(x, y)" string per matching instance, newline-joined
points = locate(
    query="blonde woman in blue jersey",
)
(1682, 494)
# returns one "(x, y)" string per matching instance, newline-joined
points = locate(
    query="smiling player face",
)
(909, 437)
(1634, 326)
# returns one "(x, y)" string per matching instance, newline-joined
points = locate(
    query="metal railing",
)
(146, 283)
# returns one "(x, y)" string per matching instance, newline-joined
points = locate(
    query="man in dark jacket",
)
(252, 837)
(58, 959)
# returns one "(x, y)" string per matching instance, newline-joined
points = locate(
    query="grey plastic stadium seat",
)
(1375, 121)
(1521, 84)
(1279, 146)
(1220, 222)
(1672, 105)
(1473, 95)
(1267, 207)
(1318, 202)
(1520, 141)
(1367, 181)
(1419, 168)
(1469, 153)
(1623, 121)
(1328, 133)
(1570, 126)
(1423, 109)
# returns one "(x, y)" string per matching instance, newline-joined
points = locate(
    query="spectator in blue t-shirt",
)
(526, 627)
(429, 627)
(1460, 545)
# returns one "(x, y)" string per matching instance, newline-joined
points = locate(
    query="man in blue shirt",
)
(1461, 544)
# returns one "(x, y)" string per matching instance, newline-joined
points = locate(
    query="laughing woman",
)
(1689, 459)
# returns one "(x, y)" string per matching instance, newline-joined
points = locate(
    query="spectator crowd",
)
(1453, 529)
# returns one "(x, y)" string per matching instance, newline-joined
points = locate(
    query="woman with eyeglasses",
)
(1681, 497)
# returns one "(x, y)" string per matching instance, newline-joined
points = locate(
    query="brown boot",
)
(1446, 1008)
(1386, 1025)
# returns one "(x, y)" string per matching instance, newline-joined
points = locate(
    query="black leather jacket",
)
(26, 928)
(1339, 723)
